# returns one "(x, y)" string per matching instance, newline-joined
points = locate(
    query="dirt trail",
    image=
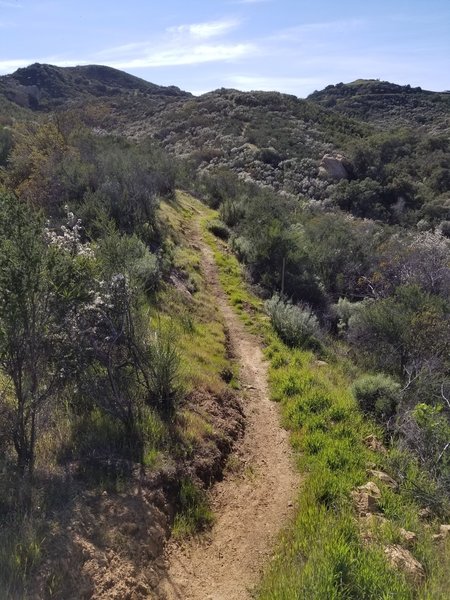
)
(251, 506)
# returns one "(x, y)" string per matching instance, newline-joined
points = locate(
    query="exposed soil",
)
(254, 500)
(109, 545)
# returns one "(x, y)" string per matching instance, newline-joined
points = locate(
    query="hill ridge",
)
(45, 87)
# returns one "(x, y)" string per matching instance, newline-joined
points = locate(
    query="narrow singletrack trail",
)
(252, 505)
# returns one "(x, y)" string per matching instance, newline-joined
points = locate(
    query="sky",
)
(293, 46)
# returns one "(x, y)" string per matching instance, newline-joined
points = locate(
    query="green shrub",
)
(231, 212)
(242, 247)
(164, 374)
(128, 254)
(98, 434)
(344, 310)
(377, 395)
(147, 272)
(20, 553)
(296, 325)
(444, 228)
(220, 185)
(219, 229)
(269, 156)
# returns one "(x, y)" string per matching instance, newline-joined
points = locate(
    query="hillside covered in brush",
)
(387, 105)
(172, 264)
(385, 146)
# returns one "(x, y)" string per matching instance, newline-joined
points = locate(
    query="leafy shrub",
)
(231, 212)
(430, 440)
(377, 395)
(269, 156)
(219, 229)
(296, 325)
(164, 372)
(242, 247)
(128, 254)
(5, 145)
(147, 271)
(445, 228)
(219, 185)
(97, 434)
(20, 553)
(344, 310)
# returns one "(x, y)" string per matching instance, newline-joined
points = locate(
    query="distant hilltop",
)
(383, 102)
(45, 87)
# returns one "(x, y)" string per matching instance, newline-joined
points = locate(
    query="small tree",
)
(44, 281)
(116, 375)
(409, 328)
(33, 327)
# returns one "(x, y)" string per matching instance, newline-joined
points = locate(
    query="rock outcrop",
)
(365, 499)
(384, 477)
(373, 443)
(402, 559)
(335, 167)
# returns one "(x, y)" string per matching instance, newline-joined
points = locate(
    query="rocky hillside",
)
(387, 104)
(45, 87)
(119, 301)
(271, 138)
(388, 141)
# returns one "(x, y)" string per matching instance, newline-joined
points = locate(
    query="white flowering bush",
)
(68, 237)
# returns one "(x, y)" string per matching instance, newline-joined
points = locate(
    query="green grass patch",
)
(193, 514)
(20, 552)
(192, 311)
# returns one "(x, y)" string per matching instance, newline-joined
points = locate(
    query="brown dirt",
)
(251, 505)
(109, 545)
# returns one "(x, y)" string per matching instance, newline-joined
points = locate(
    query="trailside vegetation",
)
(101, 356)
(370, 400)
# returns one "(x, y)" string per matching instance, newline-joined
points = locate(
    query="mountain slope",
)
(273, 139)
(45, 87)
(387, 104)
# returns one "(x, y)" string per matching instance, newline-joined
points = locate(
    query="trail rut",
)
(250, 506)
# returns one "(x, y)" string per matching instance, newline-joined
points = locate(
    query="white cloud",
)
(205, 30)
(298, 31)
(181, 45)
(185, 56)
(6, 66)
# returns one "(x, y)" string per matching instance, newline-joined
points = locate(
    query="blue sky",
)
(286, 45)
